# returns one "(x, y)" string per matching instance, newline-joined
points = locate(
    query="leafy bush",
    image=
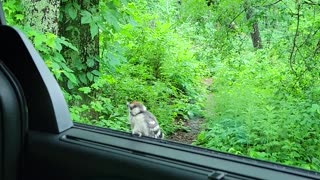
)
(250, 115)
(158, 69)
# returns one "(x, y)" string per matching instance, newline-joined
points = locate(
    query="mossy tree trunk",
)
(42, 15)
(70, 26)
(65, 19)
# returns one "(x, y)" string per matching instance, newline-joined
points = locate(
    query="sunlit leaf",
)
(86, 17)
(94, 29)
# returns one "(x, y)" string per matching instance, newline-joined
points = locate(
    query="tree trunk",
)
(42, 15)
(84, 61)
(255, 35)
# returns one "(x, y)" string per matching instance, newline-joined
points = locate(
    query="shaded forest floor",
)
(188, 136)
(193, 126)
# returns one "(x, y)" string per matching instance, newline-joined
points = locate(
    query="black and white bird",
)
(143, 122)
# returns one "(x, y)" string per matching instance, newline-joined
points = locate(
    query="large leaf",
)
(86, 17)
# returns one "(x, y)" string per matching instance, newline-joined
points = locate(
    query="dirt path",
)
(194, 126)
(188, 137)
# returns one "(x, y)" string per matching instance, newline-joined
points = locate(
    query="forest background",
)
(249, 68)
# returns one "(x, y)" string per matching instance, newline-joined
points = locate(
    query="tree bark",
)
(42, 15)
(255, 35)
(80, 36)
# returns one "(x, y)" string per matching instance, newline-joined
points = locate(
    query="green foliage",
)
(255, 112)
(48, 44)
(159, 70)
(141, 58)
(263, 103)
(13, 11)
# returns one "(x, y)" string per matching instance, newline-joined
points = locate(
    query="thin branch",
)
(310, 36)
(312, 3)
(295, 40)
(271, 4)
(316, 51)
(237, 16)
(267, 5)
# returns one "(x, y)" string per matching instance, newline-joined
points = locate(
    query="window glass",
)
(238, 76)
